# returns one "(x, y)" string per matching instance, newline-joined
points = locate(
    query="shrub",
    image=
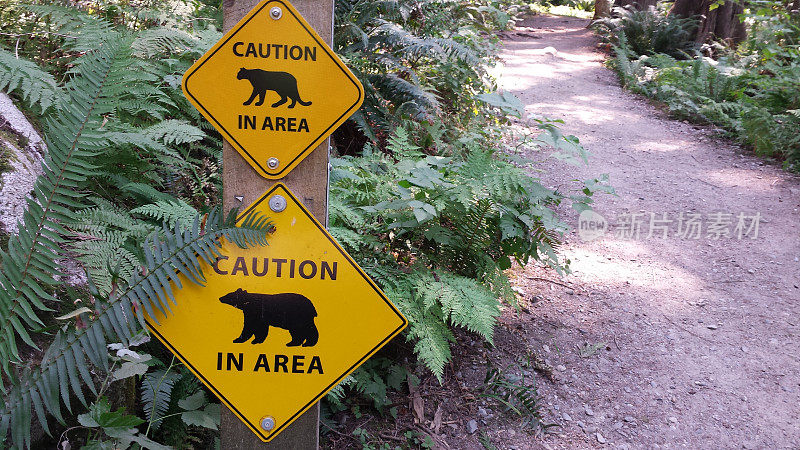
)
(753, 94)
(438, 231)
(648, 32)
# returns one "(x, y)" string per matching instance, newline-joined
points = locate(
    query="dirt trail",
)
(702, 336)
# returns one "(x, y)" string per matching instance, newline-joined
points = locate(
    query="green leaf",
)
(207, 418)
(505, 101)
(193, 402)
(148, 443)
(130, 369)
(101, 414)
(75, 313)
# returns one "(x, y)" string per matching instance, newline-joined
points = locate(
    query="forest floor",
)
(651, 342)
(700, 336)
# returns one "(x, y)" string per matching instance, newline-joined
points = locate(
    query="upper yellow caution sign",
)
(273, 88)
(276, 327)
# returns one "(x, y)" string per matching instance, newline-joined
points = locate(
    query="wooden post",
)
(309, 182)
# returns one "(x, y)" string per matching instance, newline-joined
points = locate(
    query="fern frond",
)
(106, 240)
(405, 92)
(83, 31)
(64, 368)
(432, 338)
(464, 302)
(175, 132)
(431, 302)
(459, 51)
(170, 212)
(139, 190)
(156, 393)
(30, 264)
(161, 40)
(34, 85)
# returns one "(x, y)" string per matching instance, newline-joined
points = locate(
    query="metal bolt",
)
(275, 12)
(277, 203)
(267, 423)
(273, 163)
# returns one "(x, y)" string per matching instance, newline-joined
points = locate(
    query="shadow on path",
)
(702, 333)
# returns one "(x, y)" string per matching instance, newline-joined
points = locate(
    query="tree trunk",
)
(602, 9)
(720, 23)
(727, 24)
(641, 5)
(688, 8)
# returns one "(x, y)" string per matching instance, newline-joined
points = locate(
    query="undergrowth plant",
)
(650, 31)
(437, 232)
(752, 92)
(515, 395)
(417, 60)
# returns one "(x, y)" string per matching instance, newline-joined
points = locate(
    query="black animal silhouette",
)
(292, 312)
(283, 83)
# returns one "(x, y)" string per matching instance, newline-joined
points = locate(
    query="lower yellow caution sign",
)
(276, 327)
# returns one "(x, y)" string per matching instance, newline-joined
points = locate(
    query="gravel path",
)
(702, 335)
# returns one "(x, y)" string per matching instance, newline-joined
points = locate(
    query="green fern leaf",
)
(31, 261)
(156, 394)
(32, 84)
(175, 132)
(121, 316)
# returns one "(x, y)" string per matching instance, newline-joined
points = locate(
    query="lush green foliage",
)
(417, 61)
(430, 199)
(752, 92)
(650, 31)
(573, 8)
(437, 231)
(515, 394)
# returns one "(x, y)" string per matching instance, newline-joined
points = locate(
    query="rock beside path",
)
(25, 149)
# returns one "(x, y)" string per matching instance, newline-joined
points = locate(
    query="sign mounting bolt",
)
(275, 12)
(277, 203)
(267, 423)
(273, 163)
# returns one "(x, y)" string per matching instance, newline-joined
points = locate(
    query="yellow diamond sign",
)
(273, 88)
(276, 327)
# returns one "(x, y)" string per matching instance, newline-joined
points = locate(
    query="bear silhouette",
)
(292, 312)
(283, 83)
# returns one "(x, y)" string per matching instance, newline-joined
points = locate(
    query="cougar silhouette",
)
(283, 83)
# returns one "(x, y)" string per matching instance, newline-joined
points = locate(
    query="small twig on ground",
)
(390, 437)
(338, 432)
(689, 331)
(551, 281)
(706, 182)
(615, 343)
(440, 443)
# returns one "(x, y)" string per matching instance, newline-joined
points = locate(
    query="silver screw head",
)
(267, 423)
(275, 12)
(273, 163)
(277, 203)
